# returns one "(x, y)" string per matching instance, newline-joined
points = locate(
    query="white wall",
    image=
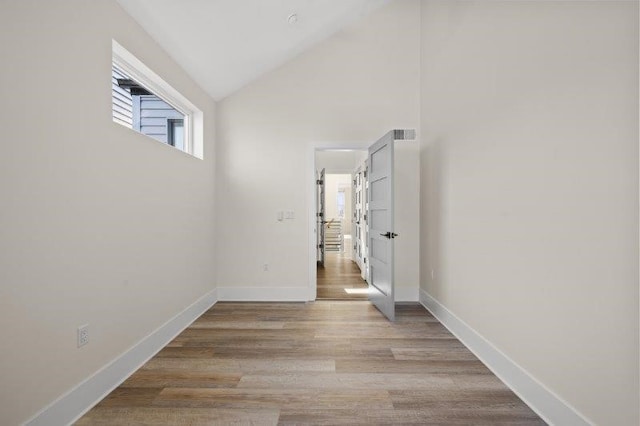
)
(406, 220)
(530, 188)
(339, 161)
(346, 92)
(99, 224)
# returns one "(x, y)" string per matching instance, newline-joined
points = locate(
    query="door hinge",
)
(320, 245)
(319, 214)
(319, 182)
(365, 173)
(365, 217)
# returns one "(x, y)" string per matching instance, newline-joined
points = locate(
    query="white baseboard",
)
(550, 407)
(406, 294)
(263, 294)
(76, 402)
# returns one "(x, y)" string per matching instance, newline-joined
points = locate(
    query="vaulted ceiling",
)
(225, 44)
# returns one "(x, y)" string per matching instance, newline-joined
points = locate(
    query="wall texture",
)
(346, 92)
(99, 224)
(339, 161)
(530, 188)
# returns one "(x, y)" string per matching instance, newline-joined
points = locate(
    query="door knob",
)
(389, 235)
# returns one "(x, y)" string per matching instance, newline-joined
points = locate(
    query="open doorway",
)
(389, 220)
(341, 263)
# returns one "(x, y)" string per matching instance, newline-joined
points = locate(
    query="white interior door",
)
(357, 217)
(354, 220)
(321, 217)
(365, 220)
(380, 221)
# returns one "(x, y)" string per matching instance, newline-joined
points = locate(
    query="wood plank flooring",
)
(339, 275)
(321, 363)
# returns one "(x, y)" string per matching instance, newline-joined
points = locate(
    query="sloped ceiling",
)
(225, 44)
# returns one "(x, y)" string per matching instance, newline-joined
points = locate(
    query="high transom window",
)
(144, 102)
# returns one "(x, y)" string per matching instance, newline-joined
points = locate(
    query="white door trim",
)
(311, 199)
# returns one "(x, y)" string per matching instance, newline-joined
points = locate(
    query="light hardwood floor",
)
(325, 363)
(338, 275)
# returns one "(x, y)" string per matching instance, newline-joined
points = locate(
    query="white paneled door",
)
(380, 220)
(358, 218)
(320, 217)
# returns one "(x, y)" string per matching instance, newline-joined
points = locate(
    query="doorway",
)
(340, 202)
(381, 228)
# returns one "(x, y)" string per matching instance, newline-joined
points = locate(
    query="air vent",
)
(404, 134)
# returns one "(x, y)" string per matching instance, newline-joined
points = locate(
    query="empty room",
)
(319, 212)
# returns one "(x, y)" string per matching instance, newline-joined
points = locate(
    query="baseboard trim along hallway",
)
(72, 405)
(544, 402)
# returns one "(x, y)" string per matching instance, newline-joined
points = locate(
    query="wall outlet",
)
(265, 267)
(83, 335)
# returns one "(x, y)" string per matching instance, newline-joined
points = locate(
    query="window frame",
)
(193, 117)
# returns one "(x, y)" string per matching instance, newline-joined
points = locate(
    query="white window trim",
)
(193, 117)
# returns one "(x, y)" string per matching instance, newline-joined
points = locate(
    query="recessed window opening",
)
(144, 102)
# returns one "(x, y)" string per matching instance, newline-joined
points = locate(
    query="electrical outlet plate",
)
(83, 335)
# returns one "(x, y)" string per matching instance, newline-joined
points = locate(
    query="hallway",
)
(340, 279)
(312, 363)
